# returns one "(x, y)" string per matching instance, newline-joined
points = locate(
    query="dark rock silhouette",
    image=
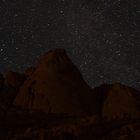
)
(56, 86)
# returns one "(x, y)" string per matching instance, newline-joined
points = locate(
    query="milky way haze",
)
(102, 37)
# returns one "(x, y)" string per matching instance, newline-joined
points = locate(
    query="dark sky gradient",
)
(102, 37)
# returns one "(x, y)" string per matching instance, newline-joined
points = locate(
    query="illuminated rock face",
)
(56, 86)
(119, 101)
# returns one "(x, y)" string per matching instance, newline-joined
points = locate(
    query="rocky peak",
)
(56, 54)
(56, 61)
(55, 85)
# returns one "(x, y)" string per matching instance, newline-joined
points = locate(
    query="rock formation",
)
(14, 79)
(10, 86)
(29, 71)
(74, 110)
(56, 86)
(117, 101)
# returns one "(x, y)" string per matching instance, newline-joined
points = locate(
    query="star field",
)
(102, 37)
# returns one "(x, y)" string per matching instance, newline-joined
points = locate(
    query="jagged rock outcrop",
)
(56, 86)
(117, 101)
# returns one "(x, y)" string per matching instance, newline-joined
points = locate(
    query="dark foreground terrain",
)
(63, 127)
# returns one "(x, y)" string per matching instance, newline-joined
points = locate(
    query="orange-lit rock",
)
(29, 71)
(57, 86)
(117, 101)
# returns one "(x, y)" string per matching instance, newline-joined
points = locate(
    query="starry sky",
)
(102, 37)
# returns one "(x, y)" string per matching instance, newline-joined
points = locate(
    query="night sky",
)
(102, 37)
